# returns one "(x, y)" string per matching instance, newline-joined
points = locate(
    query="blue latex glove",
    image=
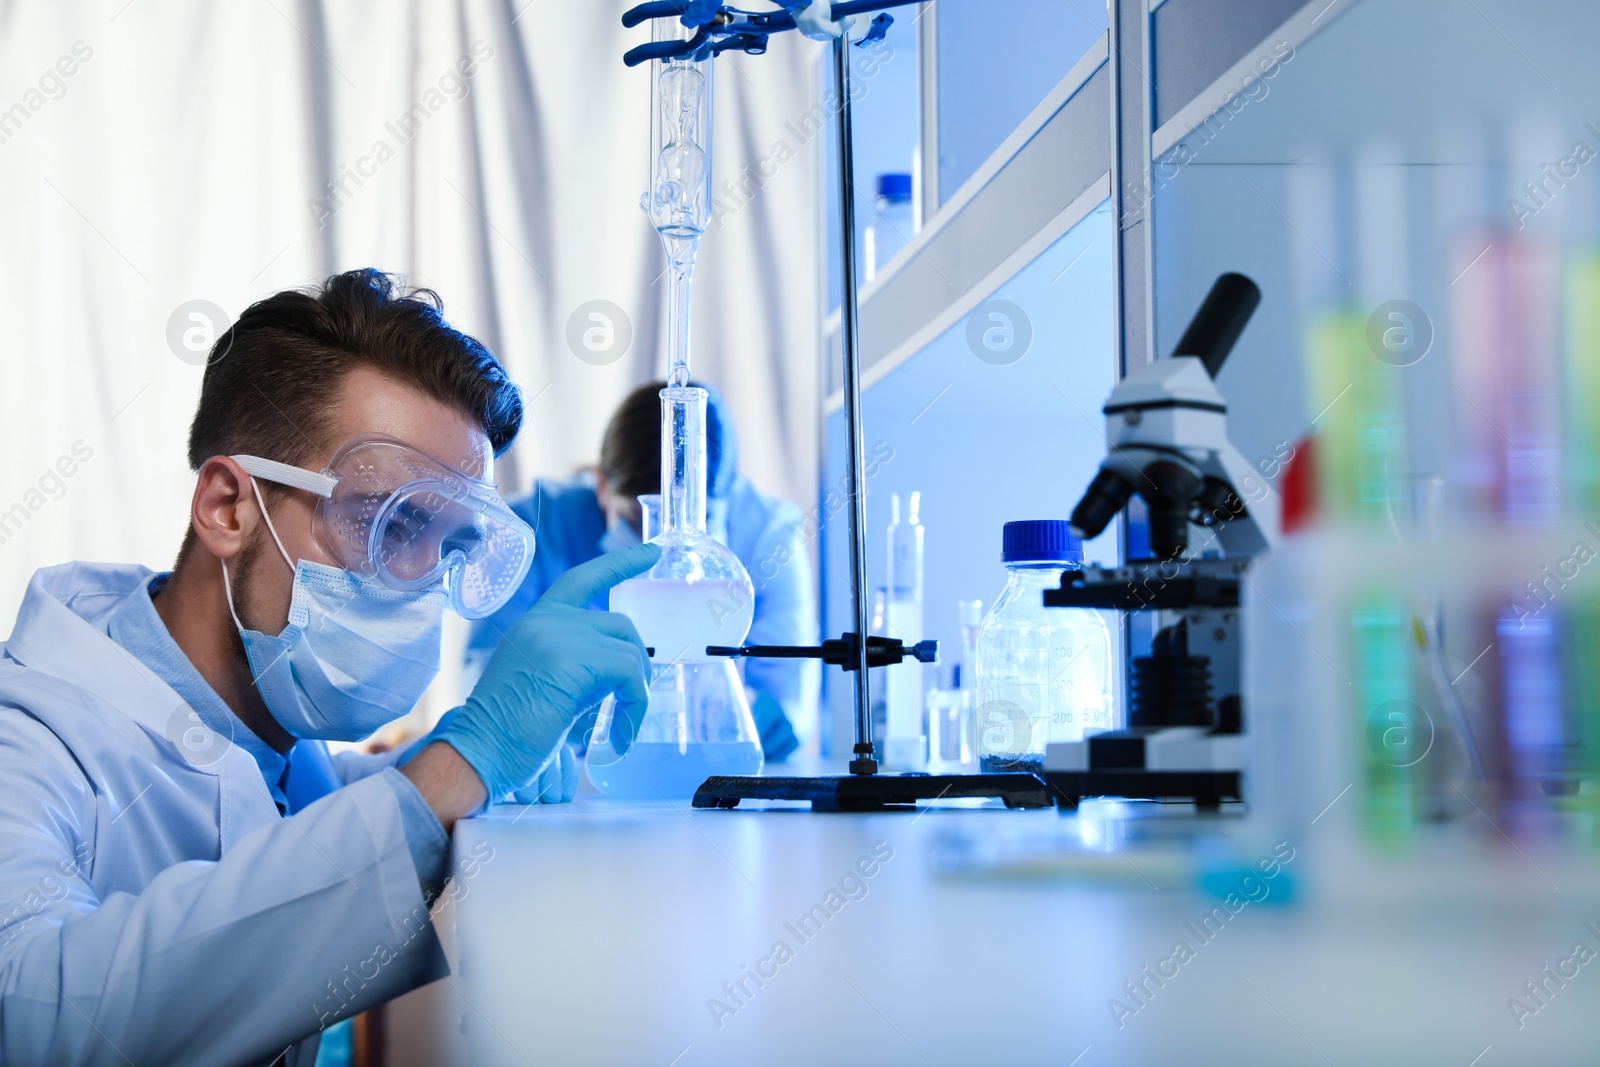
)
(553, 664)
(557, 783)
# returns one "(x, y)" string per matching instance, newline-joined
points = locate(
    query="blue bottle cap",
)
(894, 187)
(1040, 541)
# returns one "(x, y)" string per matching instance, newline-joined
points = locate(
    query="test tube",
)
(1581, 374)
(1392, 723)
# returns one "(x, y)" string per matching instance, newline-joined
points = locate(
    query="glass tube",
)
(678, 199)
(683, 460)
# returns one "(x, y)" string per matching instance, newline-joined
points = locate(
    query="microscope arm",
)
(1258, 529)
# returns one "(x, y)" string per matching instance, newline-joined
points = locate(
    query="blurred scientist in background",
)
(597, 511)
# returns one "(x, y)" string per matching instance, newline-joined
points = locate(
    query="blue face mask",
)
(354, 655)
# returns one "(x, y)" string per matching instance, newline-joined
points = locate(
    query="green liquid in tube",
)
(1360, 435)
(1581, 615)
(1395, 733)
(1360, 452)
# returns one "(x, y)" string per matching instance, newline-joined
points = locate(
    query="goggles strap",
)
(286, 474)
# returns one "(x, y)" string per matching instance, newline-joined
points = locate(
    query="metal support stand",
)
(864, 789)
(849, 336)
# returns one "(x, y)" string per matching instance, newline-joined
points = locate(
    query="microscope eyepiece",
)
(1219, 322)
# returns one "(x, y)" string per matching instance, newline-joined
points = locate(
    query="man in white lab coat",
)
(186, 875)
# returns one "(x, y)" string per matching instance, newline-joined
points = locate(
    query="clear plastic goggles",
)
(391, 511)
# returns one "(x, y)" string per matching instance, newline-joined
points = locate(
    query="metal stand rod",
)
(863, 763)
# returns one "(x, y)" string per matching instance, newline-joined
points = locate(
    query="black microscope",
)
(1209, 511)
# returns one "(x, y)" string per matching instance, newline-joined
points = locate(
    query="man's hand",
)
(553, 664)
(557, 783)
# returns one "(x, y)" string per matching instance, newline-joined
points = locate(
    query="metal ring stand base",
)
(876, 792)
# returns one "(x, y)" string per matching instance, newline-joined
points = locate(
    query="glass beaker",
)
(697, 721)
(949, 731)
(649, 515)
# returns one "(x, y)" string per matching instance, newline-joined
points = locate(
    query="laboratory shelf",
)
(1421, 77)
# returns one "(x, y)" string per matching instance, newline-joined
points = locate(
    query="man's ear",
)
(602, 492)
(224, 512)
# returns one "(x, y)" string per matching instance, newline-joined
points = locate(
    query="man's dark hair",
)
(271, 379)
(630, 452)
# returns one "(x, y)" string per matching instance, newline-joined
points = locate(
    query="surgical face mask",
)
(355, 654)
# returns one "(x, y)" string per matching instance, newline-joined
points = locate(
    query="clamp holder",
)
(840, 651)
(720, 28)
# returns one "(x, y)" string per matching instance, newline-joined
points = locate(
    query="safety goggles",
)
(391, 511)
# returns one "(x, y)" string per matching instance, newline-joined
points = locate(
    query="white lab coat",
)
(157, 912)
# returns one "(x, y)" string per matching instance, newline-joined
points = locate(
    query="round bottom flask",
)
(698, 720)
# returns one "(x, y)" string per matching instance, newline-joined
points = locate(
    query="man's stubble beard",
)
(244, 574)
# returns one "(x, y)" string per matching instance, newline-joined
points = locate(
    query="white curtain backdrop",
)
(159, 152)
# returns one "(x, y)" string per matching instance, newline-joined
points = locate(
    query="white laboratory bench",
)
(602, 931)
